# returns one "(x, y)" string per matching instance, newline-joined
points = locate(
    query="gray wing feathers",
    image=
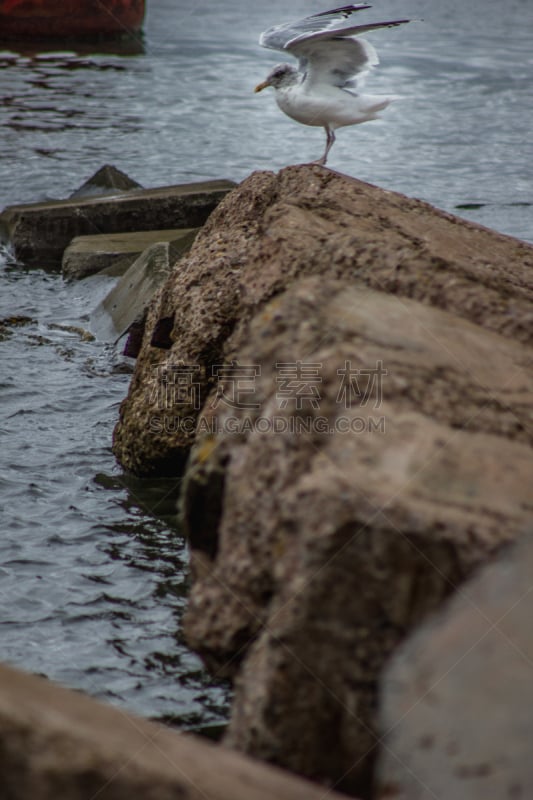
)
(334, 61)
(323, 45)
(278, 37)
(350, 30)
(327, 25)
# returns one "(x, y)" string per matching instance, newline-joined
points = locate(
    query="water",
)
(186, 111)
(93, 568)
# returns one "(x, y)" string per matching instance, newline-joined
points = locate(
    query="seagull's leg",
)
(329, 144)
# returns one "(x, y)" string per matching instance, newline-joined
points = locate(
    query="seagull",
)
(322, 91)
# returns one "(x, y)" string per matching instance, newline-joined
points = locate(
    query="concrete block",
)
(128, 300)
(58, 744)
(107, 180)
(40, 232)
(116, 252)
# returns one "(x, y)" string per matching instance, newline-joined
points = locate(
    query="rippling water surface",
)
(92, 564)
(185, 109)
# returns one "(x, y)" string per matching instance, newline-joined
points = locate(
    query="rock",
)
(455, 714)
(320, 536)
(8, 323)
(116, 252)
(128, 300)
(40, 232)
(353, 369)
(106, 180)
(56, 743)
(312, 221)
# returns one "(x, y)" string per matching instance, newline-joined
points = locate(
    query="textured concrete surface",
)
(456, 708)
(116, 252)
(315, 550)
(57, 744)
(40, 232)
(129, 298)
(308, 221)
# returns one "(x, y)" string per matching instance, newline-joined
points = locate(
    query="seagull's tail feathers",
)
(373, 104)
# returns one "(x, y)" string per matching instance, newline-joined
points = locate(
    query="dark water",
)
(93, 568)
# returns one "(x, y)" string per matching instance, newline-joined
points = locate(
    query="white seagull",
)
(322, 90)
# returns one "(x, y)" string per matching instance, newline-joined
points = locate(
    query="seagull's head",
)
(281, 76)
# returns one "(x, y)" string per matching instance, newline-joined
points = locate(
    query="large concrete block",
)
(56, 744)
(40, 232)
(455, 712)
(116, 252)
(316, 549)
(128, 299)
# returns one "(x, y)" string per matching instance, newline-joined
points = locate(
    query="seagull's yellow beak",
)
(261, 86)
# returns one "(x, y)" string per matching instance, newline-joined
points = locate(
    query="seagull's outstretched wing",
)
(334, 61)
(328, 22)
(320, 43)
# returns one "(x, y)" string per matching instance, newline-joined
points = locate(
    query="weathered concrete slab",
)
(116, 252)
(107, 180)
(456, 711)
(128, 300)
(40, 232)
(56, 744)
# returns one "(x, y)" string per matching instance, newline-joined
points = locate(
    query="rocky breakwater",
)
(353, 371)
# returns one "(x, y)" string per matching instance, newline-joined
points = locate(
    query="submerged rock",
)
(455, 714)
(8, 323)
